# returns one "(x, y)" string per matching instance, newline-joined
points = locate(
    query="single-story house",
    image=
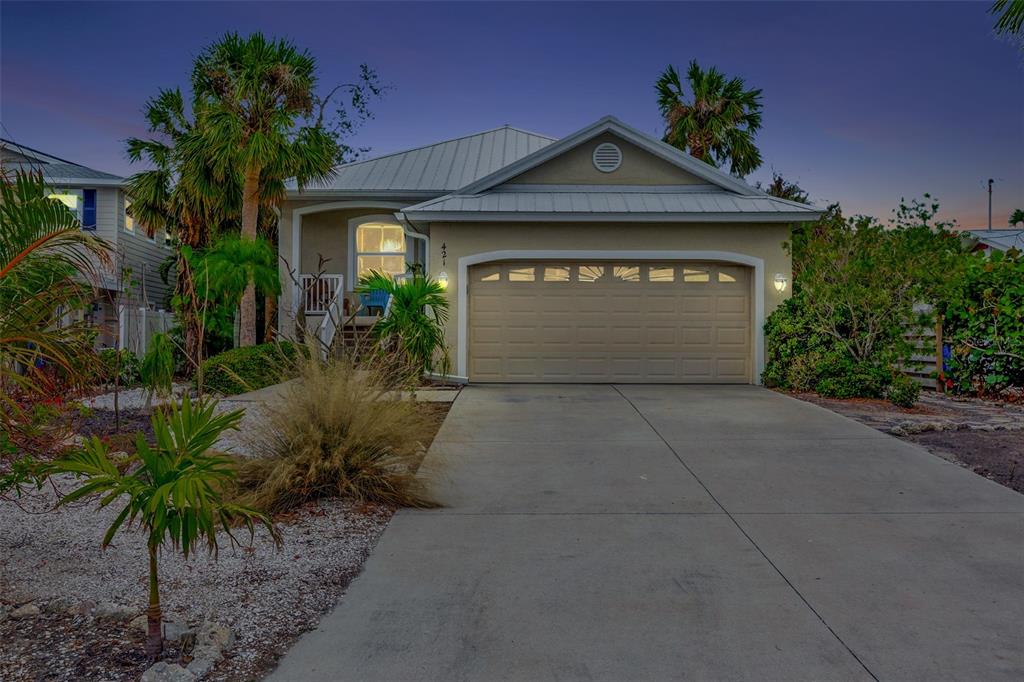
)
(605, 256)
(998, 239)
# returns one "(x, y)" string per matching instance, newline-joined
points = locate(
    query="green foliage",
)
(130, 368)
(1017, 217)
(784, 189)
(415, 324)
(233, 263)
(339, 431)
(718, 123)
(174, 491)
(46, 265)
(157, 368)
(845, 379)
(984, 325)
(903, 391)
(1011, 17)
(249, 368)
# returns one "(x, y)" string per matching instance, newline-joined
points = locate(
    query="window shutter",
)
(88, 209)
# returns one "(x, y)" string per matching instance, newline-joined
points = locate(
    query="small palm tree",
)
(233, 264)
(718, 124)
(157, 368)
(1017, 217)
(416, 318)
(175, 491)
(46, 264)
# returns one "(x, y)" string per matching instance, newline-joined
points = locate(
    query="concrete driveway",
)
(670, 532)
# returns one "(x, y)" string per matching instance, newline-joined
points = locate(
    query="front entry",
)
(605, 321)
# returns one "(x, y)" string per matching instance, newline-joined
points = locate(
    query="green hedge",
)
(247, 369)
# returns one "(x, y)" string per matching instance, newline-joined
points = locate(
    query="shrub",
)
(129, 368)
(339, 432)
(903, 391)
(248, 368)
(846, 379)
(157, 368)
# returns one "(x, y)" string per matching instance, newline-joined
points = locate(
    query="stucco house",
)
(99, 201)
(605, 256)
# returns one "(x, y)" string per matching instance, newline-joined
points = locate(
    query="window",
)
(591, 273)
(129, 222)
(72, 198)
(520, 275)
(88, 209)
(380, 247)
(627, 273)
(692, 275)
(725, 277)
(488, 273)
(556, 273)
(661, 274)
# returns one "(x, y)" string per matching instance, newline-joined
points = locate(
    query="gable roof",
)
(55, 170)
(610, 124)
(433, 169)
(999, 239)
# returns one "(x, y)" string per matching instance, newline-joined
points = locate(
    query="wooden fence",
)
(926, 362)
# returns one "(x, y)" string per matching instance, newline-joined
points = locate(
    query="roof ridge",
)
(436, 144)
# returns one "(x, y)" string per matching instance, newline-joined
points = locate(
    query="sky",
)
(864, 103)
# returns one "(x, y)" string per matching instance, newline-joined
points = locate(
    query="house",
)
(1000, 239)
(99, 201)
(605, 256)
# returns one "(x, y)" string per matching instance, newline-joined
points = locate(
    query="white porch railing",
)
(318, 292)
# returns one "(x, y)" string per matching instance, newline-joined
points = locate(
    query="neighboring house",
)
(1001, 239)
(606, 256)
(98, 199)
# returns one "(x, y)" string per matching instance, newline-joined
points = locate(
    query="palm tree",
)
(233, 264)
(1011, 19)
(183, 195)
(175, 491)
(718, 124)
(258, 91)
(46, 264)
(1017, 216)
(416, 318)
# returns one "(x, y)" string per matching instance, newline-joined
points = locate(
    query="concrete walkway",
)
(671, 532)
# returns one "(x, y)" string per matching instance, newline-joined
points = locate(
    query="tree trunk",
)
(188, 310)
(154, 618)
(250, 216)
(269, 318)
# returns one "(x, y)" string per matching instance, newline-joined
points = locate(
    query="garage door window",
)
(591, 273)
(692, 275)
(661, 274)
(627, 273)
(556, 273)
(488, 273)
(725, 277)
(521, 275)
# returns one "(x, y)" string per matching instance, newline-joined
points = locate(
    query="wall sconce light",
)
(442, 277)
(780, 282)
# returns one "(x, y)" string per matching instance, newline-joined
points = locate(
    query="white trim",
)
(353, 226)
(297, 213)
(462, 305)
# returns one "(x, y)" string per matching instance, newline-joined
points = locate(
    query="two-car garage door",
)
(605, 321)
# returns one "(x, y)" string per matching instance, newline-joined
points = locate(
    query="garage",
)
(605, 321)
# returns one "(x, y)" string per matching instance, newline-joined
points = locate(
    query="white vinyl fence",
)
(926, 361)
(139, 324)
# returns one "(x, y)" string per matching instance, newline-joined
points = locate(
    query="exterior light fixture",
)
(780, 282)
(442, 277)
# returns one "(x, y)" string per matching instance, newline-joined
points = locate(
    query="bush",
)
(903, 391)
(339, 432)
(248, 368)
(129, 370)
(846, 379)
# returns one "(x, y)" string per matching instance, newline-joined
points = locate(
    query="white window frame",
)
(353, 255)
(125, 203)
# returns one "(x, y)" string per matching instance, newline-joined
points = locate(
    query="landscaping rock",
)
(174, 628)
(203, 660)
(167, 672)
(215, 635)
(113, 612)
(25, 612)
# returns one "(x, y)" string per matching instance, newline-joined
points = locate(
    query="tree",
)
(157, 368)
(415, 323)
(175, 491)
(233, 264)
(266, 124)
(1011, 19)
(783, 189)
(718, 124)
(184, 195)
(46, 265)
(1017, 217)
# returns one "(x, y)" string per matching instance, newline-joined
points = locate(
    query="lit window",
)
(556, 273)
(521, 275)
(71, 198)
(725, 277)
(691, 275)
(591, 273)
(489, 274)
(627, 273)
(661, 274)
(129, 222)
(380, 247)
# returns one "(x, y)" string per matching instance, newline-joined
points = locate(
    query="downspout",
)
(411, 231)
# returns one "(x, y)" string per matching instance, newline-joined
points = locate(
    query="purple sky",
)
(864, 103)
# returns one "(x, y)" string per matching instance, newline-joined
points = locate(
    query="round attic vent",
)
(607, 157)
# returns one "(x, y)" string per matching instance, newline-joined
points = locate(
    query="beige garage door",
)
(621, 322)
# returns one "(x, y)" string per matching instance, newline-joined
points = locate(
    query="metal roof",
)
(55, 170)
(436, 168)
(528, 202)
(1001, 239)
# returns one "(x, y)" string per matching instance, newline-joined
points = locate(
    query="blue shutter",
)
(88, 209)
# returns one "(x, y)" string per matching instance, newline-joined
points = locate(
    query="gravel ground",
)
(268, 597)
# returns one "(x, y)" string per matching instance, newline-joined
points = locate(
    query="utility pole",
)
(990, 181)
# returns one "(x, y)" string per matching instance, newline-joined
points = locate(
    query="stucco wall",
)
(762, 241)
(576, 167)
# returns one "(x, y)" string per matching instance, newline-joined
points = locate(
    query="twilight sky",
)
(863, 102)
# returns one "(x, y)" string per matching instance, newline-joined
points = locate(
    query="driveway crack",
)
(747, 535)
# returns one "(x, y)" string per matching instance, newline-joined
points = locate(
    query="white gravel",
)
(268, 597)
(132, 398)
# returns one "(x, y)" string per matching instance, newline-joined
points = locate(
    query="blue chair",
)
(374, 301)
